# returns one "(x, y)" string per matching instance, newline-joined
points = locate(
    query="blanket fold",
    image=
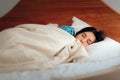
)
(37, 47)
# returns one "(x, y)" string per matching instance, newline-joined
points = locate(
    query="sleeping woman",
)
(87, 35)
(38, 47)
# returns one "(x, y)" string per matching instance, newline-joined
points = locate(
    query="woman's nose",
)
(84, 40)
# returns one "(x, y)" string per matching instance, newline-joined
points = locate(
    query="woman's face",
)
(86, 38)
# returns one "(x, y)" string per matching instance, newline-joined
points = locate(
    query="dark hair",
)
(98, 34)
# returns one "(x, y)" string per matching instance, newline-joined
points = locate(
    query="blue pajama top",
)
(68, 29)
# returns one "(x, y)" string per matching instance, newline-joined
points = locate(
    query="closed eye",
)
(84, 35)
(89, 41)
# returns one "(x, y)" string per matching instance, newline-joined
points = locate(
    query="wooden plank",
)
(94, 12)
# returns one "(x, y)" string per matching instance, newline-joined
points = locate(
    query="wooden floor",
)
(94, 12)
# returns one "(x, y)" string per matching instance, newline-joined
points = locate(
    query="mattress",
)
(69, 71)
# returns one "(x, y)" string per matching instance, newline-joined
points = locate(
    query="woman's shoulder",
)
(69, 29)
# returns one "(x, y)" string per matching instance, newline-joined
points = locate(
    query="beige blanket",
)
(37, 47)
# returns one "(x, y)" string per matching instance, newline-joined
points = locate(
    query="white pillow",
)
(78, 24)
(103, 50)
(106, 49)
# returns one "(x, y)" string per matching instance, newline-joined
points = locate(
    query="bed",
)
(23, 52)
(103, 65)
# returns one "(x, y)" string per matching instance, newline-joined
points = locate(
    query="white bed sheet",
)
(70, 70)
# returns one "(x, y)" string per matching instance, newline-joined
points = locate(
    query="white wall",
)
(6, 6)
(113, 4)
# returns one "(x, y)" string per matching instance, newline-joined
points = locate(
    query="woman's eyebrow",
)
(85, 34)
